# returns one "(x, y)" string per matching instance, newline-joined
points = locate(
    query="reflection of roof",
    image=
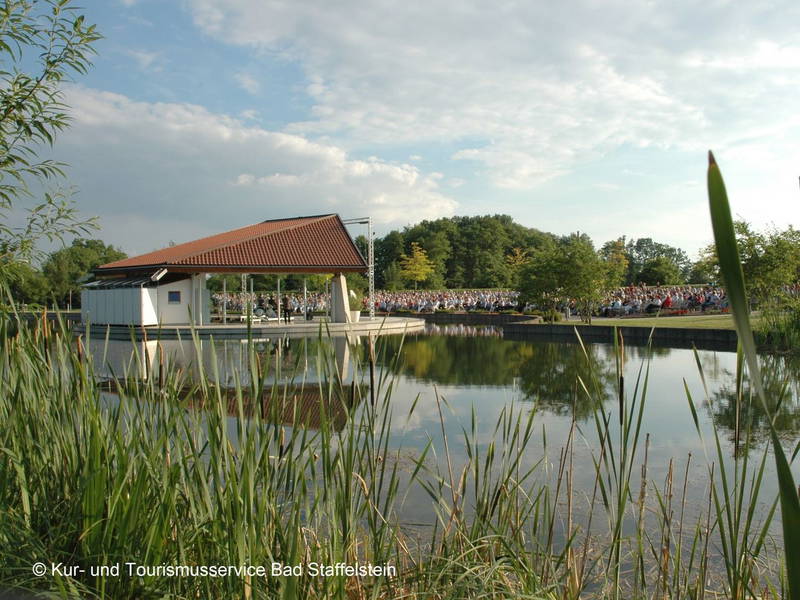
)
(304, 406)
(317, 244)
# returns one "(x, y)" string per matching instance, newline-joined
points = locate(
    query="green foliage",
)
(659, 271)
(727, 244)
(232, 283)
(392, 277)
(65, 269)
(564, 271)
(643, 250)
(616, 262)
(356, 299)
(516, 260)
(26, 284)
(417, 267)
(465, 252)
(42, 43)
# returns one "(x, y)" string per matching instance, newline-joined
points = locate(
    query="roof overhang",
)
(315, 245)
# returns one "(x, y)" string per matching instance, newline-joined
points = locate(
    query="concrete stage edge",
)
(377, 326)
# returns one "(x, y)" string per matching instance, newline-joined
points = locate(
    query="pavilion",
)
(167, 286)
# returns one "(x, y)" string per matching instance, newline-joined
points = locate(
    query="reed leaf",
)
(731, 268)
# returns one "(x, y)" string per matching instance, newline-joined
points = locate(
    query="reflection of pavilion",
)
(124, 359)
(303, 405)
(315, 398)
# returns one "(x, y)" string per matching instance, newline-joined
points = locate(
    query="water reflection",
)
(736, 413)
(547, 373)
(297, 382)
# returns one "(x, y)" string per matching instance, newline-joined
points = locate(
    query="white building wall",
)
(149, 306)
(146, 306)
(174, 314)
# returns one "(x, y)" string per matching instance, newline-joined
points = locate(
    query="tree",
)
(388, 249)
(641, 251)
(542, 278)
(417, 267)
(26, 284)
(658, 271)
(616, 262)
(516, 261)
(42, 43)
(65, 269)
(392, 277)
(706, 268)
(564, 271)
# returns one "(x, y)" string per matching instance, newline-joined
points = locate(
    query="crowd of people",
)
(291, 303)
(622, 301)
(455, 300)
(636, 300)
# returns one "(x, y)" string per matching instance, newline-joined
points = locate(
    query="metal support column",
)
(371, 252)
(370, 259)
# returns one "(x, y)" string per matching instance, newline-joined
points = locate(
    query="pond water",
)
(460, 378)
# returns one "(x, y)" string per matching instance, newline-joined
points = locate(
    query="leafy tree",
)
(66, 268)
(232, 282)
(585, 274)
(706, 268)
(392, 277)
(464, 251)
(42, 43)
(417, 267)
(616, 262)
(26, 284)
(658, 271)
(770, 260)
(643, 250)
(516, 261)
(563, 271)
(542, 278)
(388, 250)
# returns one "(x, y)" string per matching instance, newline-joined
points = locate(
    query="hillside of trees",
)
(490, 251)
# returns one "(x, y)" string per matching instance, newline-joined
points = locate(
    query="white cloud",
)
(525, 90)
(145, 59)
(248, 83)
(151, 169)
(250, 114)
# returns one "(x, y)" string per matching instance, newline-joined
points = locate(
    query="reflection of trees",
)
(452, 360)
(550, 374)
(781, 378)
(547, 372)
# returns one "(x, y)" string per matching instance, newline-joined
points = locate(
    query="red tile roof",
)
(318, 244)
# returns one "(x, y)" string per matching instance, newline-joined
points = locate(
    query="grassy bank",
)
(684, 322)
(176, 471)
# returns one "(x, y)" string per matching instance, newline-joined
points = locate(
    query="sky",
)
(199, 116)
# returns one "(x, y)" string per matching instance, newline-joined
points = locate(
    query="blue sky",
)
(204, 115)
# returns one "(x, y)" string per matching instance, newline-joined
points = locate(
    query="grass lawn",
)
(689, 322)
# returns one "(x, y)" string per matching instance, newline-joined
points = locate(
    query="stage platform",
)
(271, 329)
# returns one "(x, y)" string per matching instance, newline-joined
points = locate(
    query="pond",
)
(456, 383)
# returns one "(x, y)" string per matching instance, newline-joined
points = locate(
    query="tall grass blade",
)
(731, 267)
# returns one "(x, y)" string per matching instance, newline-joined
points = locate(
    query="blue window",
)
(174, 297)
